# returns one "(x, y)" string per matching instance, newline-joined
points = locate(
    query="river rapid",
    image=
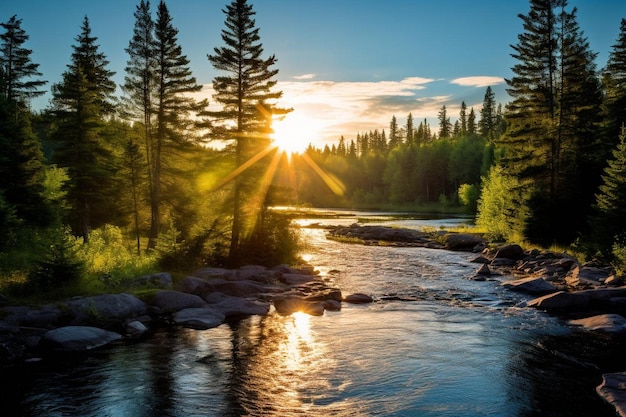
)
(434, 343)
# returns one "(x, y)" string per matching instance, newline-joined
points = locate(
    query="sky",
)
(345, 66)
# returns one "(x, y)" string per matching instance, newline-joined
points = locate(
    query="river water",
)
(434, 343)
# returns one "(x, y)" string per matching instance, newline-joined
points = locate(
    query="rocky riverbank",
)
(203, 300)
(589, 297)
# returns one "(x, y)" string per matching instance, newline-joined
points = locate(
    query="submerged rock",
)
(358, 298)
(199, 318)
(613, 390)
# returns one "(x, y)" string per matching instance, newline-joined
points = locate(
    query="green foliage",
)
(274, 241)
(619, 258)
(468, 197)
(111, 258)
(60, 267)
(496, 205)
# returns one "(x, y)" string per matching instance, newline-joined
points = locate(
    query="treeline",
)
(137, 171)
(411, 167)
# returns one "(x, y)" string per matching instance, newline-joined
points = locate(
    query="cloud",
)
(304, 77)
(478, 81)
(332, 109)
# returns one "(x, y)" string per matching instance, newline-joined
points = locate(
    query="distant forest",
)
(549, 166)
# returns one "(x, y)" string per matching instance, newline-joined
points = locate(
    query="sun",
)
(294, 132)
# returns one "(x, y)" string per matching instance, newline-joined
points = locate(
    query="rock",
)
(136, 329)
(244, 288)
(358, 298)
(199, 318)
(77, 338)
(195, 285)
(235, 306)
(586, 276)
(462, 241)
(159, 280)
(289, 305)
(481, 259)
(608, 323)
(613, 281)
(530, 285)
(502, 262)
(296, 279)
(560, 301)
(510, 252)
(46, 317)
(483, 270)
(105, 309)
(613, 390)
(332, 305)
(168, 301)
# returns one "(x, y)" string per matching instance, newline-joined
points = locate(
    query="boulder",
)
(235, 306)
(462, 241)
(560, 301)
(358, 298)
(244, 288)
(530, 285)
(198, 318)
(289, 305)
(510, 252)
(136, 329)
(77, 338)
(332, 305)
(168, 301)
(159, 280)
(608, 323)
(105, 309)
(613, 390)
(195, 285)
(483, 270)
(46, 317)
(296, 279)
(586, 276)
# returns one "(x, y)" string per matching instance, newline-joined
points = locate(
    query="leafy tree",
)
(246, 85)
(81, 101)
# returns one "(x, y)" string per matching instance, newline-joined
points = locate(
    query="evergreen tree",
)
(173, 109)
(247, 83)
(18, 70)
(445, 127)
(81, 101)
(410, 129)
(610, 218)
(463, 119)
(471, 123)
(488, 121)
(394, 134)
(614, 86)
(21, 158)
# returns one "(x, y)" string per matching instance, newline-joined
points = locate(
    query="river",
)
(434, 343)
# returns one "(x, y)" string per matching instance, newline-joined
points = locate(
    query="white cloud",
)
(478, 81)
(337, 108)
(304, 77)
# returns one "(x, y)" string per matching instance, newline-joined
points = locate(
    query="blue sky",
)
(345, 66)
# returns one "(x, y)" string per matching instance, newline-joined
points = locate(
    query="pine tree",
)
(247, 83)
(463, 119)
(81, 100)
(21, 158)
(610, 219)
(488, 122)
(410, 129)
(471, 123)
(394, 133)
(445, 127)
(173, 109)
(614, 86)
(18, 70)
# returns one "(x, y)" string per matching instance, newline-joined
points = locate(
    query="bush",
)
(468, 197)
(274, 241)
